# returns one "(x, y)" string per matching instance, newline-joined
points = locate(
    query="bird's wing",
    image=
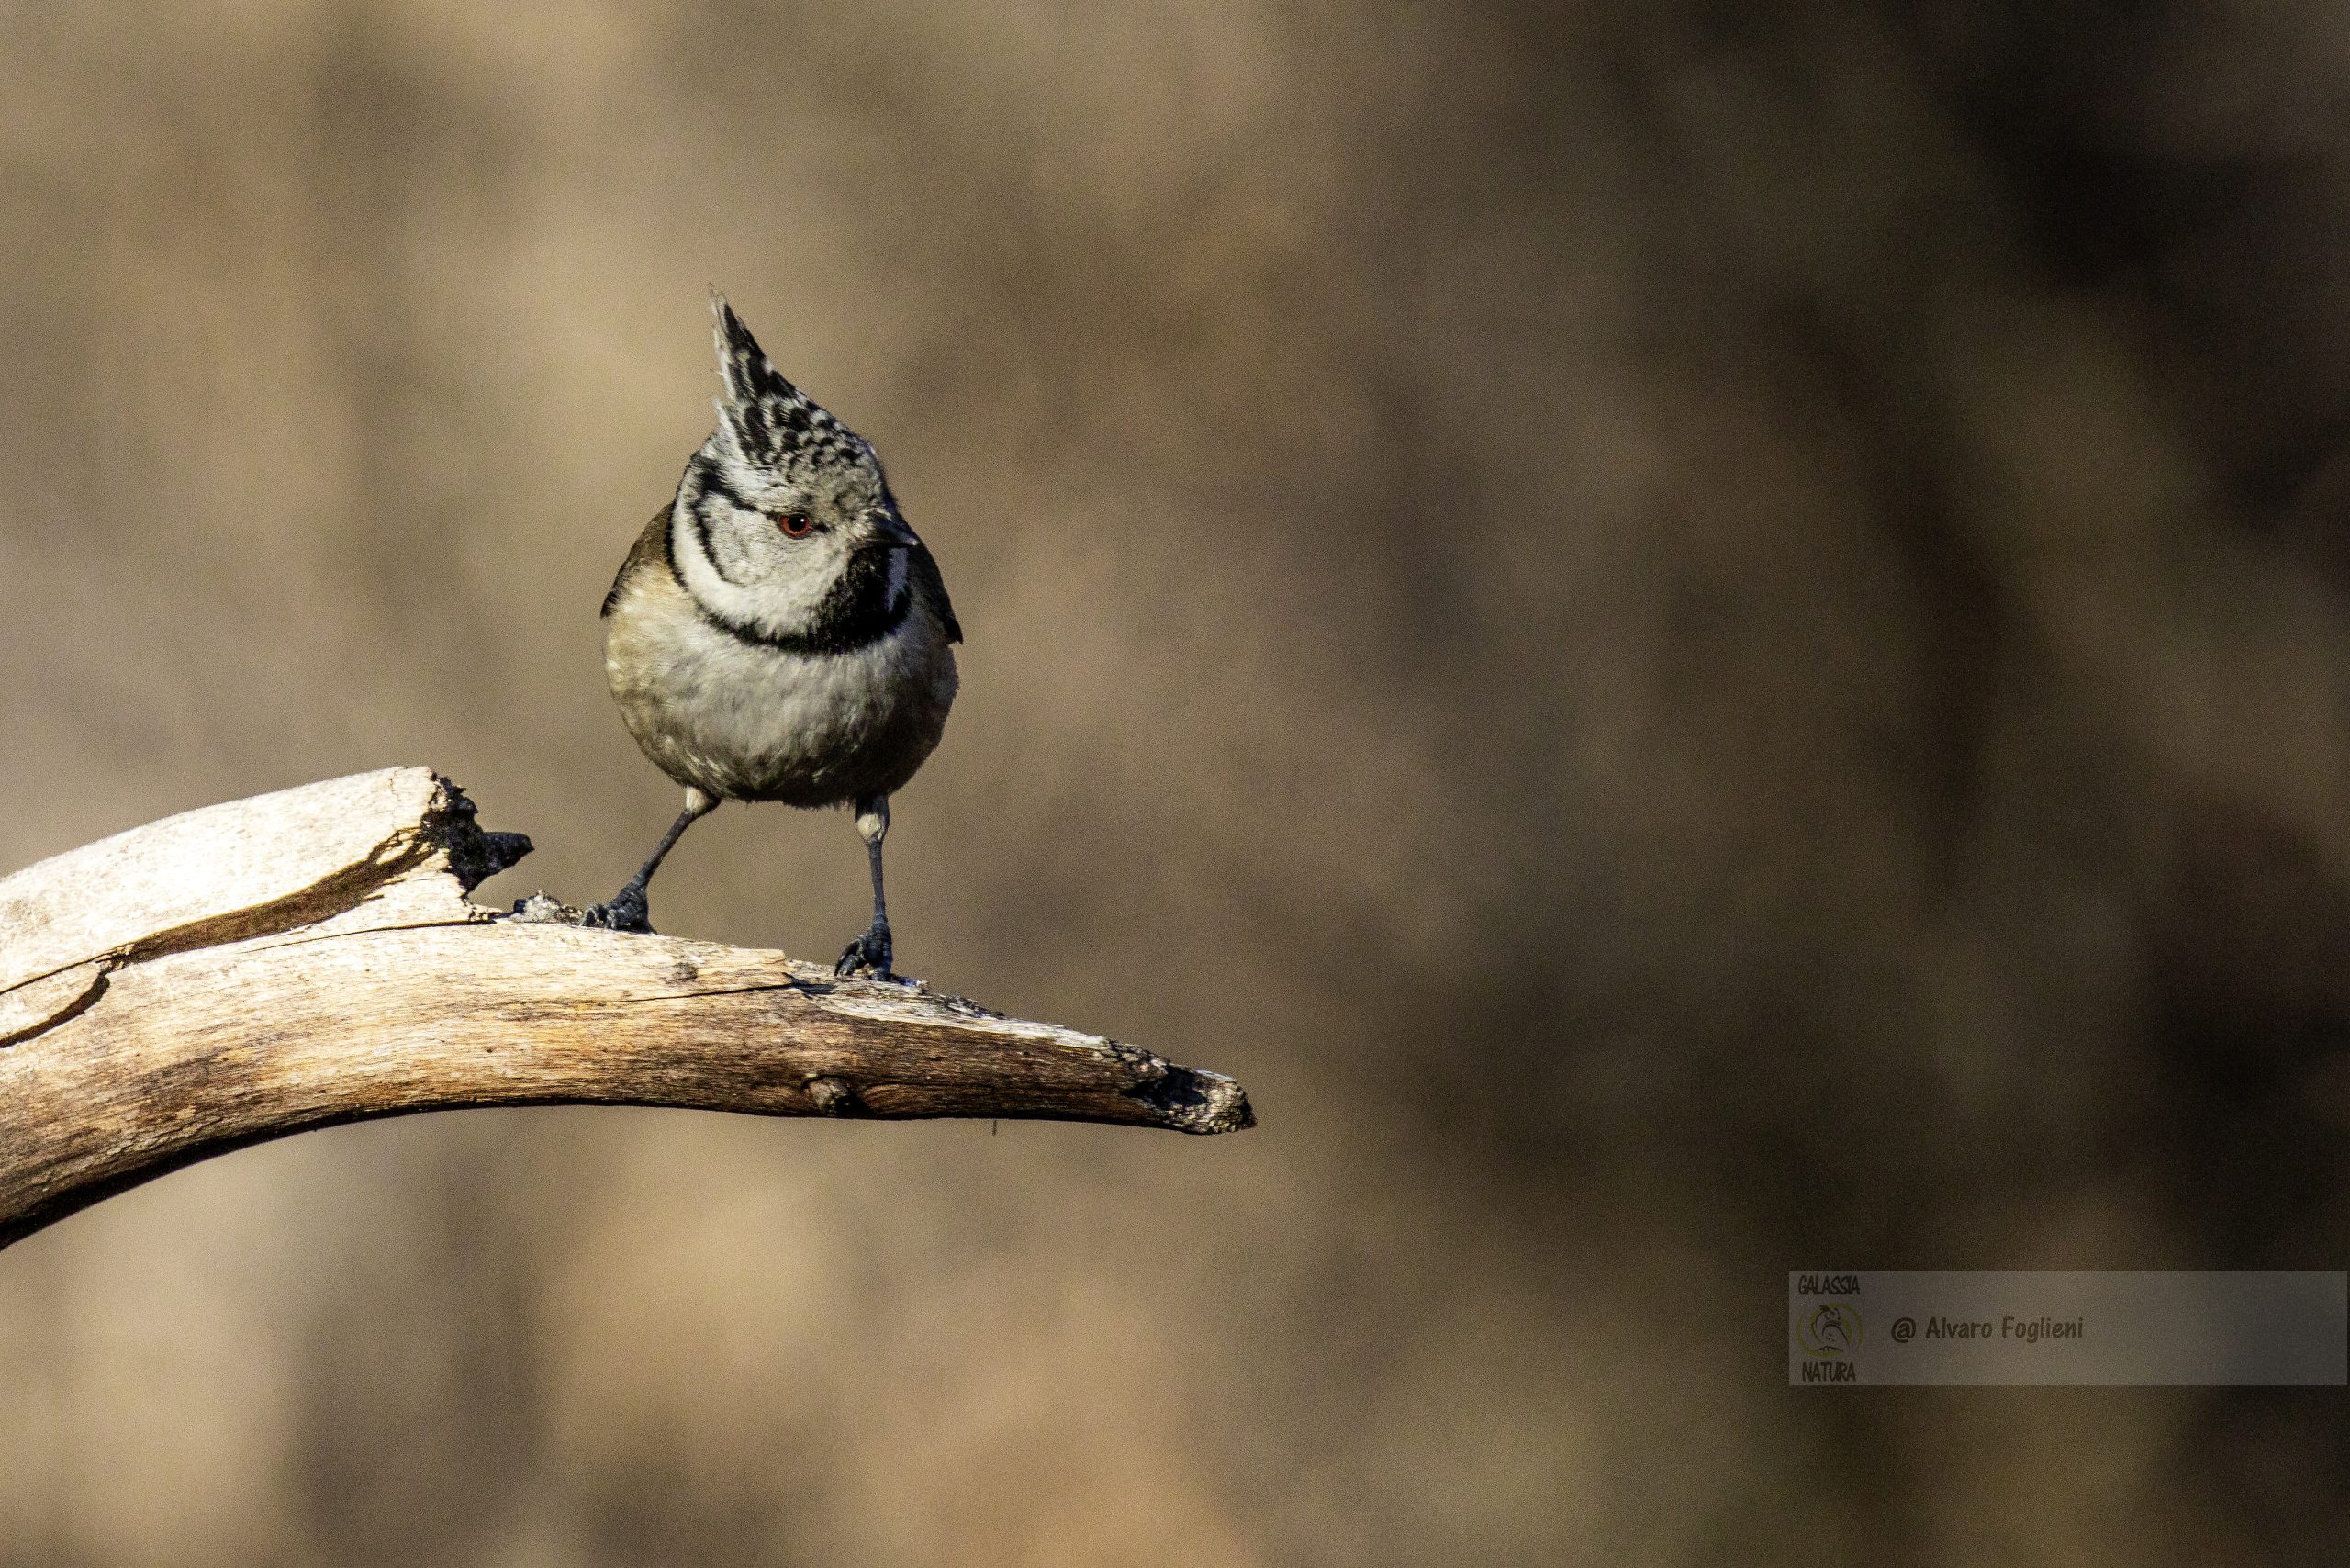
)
(651, 552)
(932, 587)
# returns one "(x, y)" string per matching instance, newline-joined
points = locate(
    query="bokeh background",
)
(1698, 639)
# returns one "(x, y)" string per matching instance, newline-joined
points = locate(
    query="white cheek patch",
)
(777, 583)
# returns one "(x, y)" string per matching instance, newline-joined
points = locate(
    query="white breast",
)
(748, 722)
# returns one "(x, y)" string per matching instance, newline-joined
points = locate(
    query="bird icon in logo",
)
(1833, 1330)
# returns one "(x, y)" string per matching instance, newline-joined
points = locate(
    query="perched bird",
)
(779, 632)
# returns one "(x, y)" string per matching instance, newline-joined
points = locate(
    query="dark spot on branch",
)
(474, 856)
(836, 1098)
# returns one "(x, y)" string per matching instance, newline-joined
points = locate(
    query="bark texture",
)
(309, 958)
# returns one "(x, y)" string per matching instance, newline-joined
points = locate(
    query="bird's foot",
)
(628, 910)
(870, 952)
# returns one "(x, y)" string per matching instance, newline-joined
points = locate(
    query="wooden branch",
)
(309, 958)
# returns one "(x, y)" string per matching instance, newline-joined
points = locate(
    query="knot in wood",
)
(831, 1096)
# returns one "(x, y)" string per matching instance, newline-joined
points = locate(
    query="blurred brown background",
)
(1699, 640)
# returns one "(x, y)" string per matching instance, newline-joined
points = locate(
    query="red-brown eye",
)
(795, 525)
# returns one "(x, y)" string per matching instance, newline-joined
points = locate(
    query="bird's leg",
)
(629, 910)
(870, 952)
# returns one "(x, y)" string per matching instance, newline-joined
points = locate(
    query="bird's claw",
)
(870, 952)
(628, 910)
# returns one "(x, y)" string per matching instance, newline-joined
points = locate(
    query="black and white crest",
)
(774, 425)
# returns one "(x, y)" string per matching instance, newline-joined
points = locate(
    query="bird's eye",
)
(795, 525)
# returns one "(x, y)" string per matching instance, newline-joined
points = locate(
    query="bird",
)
(777, 632)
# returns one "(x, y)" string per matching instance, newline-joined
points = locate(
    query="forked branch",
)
(309, 958)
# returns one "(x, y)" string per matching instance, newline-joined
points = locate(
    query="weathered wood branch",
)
(309, 958)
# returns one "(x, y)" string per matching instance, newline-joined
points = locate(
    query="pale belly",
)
(747, 722)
